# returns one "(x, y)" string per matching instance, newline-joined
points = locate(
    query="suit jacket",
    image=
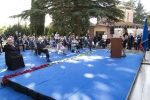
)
(15, 37)
(40, 47)
(32, 43)
(19, 42)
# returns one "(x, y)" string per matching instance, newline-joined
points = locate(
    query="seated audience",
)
(13, 58)
(78, 46)
(41, 47)
(90, 43)
(61, 47)
(53, 43)
(20, 43)
(32, 45)
(74, 44)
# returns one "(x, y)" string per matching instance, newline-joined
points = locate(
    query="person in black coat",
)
(16, 36)
(41, 47)
(125, 40)
(13, 58)
(90, 43)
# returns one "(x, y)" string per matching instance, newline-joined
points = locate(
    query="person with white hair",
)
(13, 58)
(41, 47)
(61, 47)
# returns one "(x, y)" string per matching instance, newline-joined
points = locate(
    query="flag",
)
(145, 37)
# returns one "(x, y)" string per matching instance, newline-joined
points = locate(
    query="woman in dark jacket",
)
(125, 39)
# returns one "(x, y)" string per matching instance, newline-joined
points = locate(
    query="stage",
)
(75, 76)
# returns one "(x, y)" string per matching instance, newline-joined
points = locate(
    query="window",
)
(116, 26)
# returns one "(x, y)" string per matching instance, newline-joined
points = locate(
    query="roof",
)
(127, 23)
(101, 24)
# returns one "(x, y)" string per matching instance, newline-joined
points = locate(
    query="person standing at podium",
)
(125, 40)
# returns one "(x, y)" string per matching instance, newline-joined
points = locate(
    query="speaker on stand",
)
(111, 29)
(111, 33)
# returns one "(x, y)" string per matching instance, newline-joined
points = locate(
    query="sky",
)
(13, 7)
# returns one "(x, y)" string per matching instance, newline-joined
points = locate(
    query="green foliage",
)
(71, 15)
(50, 31)
(37, 17)
(20, 28)
(140, 14)
(2, 30)
(75, 14)
(46, 31)
(131, 3)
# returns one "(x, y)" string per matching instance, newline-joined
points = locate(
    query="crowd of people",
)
(41, 44)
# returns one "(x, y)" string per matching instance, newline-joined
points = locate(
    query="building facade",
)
(103, 29)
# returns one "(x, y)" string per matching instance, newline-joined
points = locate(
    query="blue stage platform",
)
(90, 77)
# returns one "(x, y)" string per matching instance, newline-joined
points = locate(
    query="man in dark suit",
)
(20, 43)
(41, 47)
(13, 58)
(16, 36)
(32, 45)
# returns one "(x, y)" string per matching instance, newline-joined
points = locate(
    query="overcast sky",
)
(12, 7)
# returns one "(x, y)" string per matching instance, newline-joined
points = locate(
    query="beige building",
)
(103, 29)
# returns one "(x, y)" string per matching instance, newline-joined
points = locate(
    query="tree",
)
(72, 15)
(140, 13)
(2, 29)
(75, 13)
(131, 3)
(37, 17)
(17, 27)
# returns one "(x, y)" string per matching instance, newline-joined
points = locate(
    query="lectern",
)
(116, 47)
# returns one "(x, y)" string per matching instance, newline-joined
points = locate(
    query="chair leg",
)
(42, 55)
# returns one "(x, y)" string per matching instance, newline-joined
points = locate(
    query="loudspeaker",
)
(111, 29)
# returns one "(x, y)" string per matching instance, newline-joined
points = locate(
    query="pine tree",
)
(140, 13)
(76, 13)
(131, 3)
(72, 15)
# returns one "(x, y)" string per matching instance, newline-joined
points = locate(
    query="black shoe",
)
(123, 55)
(9, 69)
(64, 54)
(49, 60)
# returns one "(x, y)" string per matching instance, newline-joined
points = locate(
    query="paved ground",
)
(140, 90)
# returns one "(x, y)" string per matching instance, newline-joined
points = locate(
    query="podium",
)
(116, 47)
